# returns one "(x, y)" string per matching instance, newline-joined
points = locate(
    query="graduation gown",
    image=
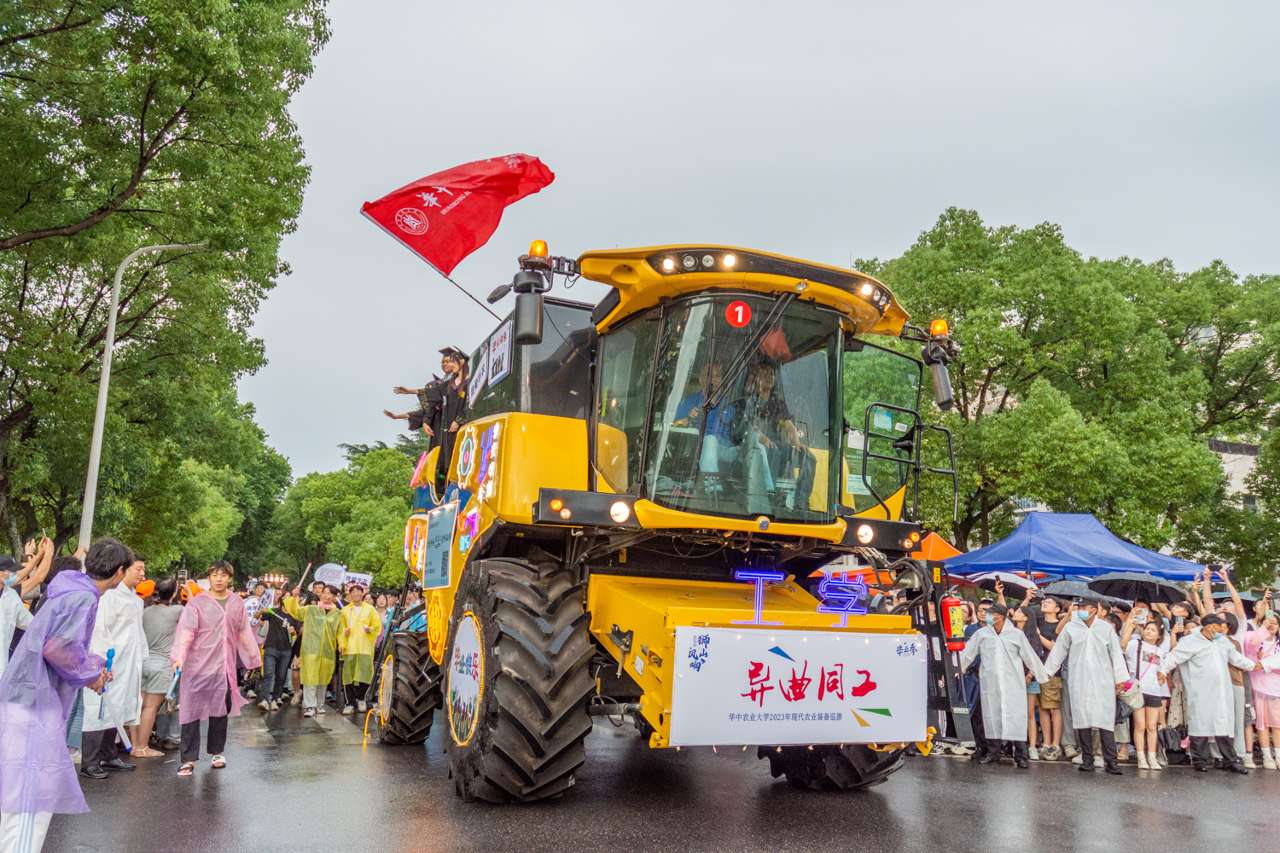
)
(1211, 709)
(119, 627)
(1095, 666)
(1004, 661)
(453, 409)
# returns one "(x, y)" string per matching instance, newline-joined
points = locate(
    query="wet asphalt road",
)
(295, 784)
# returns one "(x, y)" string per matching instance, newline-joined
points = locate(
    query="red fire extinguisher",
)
(953, 622)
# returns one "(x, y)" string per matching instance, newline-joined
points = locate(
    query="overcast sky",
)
(822, 130)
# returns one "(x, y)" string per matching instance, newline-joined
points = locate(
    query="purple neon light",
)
(759, 577)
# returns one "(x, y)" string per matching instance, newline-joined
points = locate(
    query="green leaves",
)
(133, 124)
(1088, 385)
(354, 516)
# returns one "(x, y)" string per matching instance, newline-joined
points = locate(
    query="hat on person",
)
(145, 588)
(7, 563)
(1212, 619)
(454, 352)
(1000, 608)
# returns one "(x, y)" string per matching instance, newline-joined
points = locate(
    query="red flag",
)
(446, 216)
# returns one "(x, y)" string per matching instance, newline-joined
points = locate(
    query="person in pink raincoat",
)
(212, 634)
(48, 669)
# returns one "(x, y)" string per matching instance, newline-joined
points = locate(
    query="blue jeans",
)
(275, 672)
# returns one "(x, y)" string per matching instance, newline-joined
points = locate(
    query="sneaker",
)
(1248, 762)
(308, 712)
(1033, 754)
(1051, 753)
(1077, 759)
(362, 706)
(275, 704)
(264, 705)
(75, 755)
(348, 709)
(296, 699)
(250, 694)
(322, 710)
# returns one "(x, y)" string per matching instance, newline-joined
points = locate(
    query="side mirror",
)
(942, 393)
(528, 318)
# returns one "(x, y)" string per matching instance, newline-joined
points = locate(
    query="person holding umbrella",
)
(1003, 651)
(1096, 671)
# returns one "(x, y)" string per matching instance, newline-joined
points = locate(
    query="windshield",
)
(878, 385)
(744, 418)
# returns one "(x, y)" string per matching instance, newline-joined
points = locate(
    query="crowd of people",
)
(108, 666)
(1194, 681)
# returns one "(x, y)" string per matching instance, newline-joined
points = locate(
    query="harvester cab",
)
(676, 505)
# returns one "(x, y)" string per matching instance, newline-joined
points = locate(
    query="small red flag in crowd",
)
(444, 217)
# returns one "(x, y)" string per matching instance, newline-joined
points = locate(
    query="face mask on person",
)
(991, 621)
(1082, 615)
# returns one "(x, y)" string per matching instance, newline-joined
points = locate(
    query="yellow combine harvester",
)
(638, 513)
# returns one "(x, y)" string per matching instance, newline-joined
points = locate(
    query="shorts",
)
(157, 674)
(1033, 689)
(1149, 701)
(1051, 694)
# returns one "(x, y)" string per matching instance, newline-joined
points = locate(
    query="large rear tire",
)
(408, 691)
(831, 768)
(517, 681)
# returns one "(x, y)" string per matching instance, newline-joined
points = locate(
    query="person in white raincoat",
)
(119, 627)
(1095, 672)
(1003, 652)
(1202, 658)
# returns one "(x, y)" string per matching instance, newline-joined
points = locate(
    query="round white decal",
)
(466, 680)
(410, 220)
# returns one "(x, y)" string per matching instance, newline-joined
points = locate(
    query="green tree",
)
(133, 123)
(1085, 384)
(354, 516)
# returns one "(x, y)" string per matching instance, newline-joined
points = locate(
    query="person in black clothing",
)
(277, 654)
(442, 406)
(775, 429)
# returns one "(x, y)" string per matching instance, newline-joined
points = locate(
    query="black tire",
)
(412, 678)
(831, 768)
(524, 739)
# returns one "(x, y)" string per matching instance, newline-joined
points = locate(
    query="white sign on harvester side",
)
(765, 686)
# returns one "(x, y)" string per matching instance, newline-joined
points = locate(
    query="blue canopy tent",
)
(1072, 544)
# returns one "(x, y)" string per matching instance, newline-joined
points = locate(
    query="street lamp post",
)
(100, 414)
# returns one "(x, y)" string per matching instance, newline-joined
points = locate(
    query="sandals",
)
(219, 762)
(147, 752)
(187, 768)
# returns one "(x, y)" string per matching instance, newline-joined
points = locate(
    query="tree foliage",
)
(1085, 384)
(354, 516)
(130, 124)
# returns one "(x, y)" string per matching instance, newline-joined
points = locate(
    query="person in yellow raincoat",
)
(320, 625)
(357, 635)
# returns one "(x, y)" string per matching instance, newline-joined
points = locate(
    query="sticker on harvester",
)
(435, 553)
(748, 686)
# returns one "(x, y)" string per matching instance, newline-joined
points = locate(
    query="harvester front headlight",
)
(865, 534)
(619, 512)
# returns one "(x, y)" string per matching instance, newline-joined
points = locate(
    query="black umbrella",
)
(1079, 589)
(1135, 585)
(1247, 597)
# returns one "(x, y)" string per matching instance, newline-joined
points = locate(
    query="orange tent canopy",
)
(934, 547)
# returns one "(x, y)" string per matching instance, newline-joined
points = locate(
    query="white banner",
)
(764, 686)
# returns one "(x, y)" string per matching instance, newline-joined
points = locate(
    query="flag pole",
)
(396, 236)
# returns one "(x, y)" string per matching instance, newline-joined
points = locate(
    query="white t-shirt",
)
(1144, 662)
